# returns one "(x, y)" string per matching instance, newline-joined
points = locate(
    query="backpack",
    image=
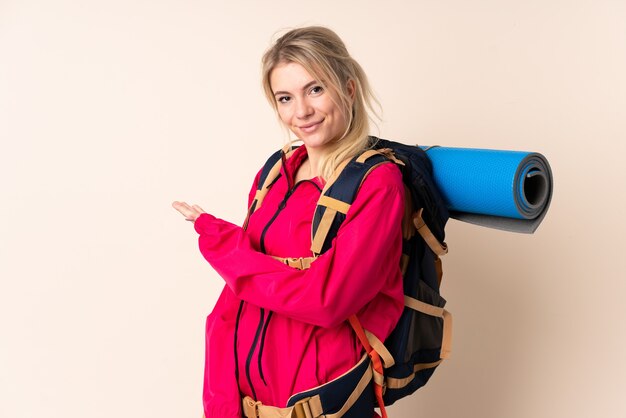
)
(422, 337)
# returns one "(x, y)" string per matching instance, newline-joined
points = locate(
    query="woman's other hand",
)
(190, 213)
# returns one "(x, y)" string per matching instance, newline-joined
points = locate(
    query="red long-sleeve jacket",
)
(292, 334)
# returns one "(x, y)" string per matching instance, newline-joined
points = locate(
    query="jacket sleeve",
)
(362, 262)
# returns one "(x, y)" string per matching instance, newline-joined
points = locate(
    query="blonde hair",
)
(324, 55)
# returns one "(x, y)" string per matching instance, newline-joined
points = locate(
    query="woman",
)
(277, 330)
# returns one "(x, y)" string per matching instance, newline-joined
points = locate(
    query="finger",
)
(183, 208)
(176, 204)
(198, 208)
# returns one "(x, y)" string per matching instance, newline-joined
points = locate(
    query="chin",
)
(316, 143)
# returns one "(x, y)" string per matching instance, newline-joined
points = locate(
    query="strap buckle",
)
(300, 263)
(251, 407)
(302, 409)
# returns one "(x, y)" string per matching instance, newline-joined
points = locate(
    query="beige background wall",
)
(111, 110)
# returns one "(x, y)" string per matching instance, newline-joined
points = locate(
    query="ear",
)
(351, 88)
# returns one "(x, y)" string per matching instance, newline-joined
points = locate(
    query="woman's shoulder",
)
(385, 175)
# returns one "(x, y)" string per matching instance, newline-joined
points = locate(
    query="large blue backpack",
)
(422, 336)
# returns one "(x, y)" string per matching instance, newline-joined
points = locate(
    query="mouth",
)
(310, 127)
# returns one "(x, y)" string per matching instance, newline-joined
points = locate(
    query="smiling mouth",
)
(311, 126)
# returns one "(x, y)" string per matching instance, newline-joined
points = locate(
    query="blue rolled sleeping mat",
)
(507, 190)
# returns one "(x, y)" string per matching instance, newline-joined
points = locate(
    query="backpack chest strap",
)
(300, 263)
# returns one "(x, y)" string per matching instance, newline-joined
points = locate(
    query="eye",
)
(283, 99)
(316, 90)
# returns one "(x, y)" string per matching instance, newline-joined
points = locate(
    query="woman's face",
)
(305, 107)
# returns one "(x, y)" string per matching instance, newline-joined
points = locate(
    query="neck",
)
(310, 168)
(313, 163)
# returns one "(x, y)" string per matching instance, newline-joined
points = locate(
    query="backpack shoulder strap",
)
(338, 195)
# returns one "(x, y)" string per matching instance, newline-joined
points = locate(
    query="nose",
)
(304, 109)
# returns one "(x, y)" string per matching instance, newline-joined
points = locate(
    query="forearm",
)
(364, 257)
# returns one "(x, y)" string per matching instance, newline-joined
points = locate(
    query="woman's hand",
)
(190, 213)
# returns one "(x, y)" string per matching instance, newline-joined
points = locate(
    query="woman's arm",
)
(362, 262)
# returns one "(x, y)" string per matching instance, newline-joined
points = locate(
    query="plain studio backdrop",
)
(111, 110)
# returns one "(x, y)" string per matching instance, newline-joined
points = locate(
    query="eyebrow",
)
(306, 86)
